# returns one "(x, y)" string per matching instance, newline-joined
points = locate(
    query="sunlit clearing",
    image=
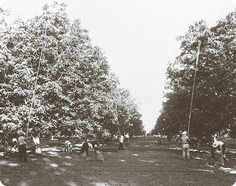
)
(68, 157)
(204, 170)
(46, 159)
(2, 162)
(57, 173)
(148, 161)
(13, 164)
(68, 164)
(53, 154)
(55, 149)
(23, 184)
(101, 184)
(54, 165)
(62, 169)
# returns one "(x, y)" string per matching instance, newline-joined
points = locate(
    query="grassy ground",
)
(142, 163)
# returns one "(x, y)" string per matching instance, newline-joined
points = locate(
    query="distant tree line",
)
(214, 103)
(53, 80)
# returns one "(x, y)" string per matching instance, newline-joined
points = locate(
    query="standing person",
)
(159, 138)
(85, 147)
(36, 141)
(218, 152)
(127, 139)
(14, 144)
(121, 141)
(185, 145)
(22, 147)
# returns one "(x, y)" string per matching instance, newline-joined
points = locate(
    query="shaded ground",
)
(143, 163)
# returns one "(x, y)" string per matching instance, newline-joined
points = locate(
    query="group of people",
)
(217, 149)
(18, 142)
(86, 145)
(21, 144)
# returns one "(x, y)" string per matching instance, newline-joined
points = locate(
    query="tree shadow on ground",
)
(140, 164)
(51, 167)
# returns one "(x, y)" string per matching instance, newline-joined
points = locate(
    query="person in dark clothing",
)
(85, 148)
(22, 147)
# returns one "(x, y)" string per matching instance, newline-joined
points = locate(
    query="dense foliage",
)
(214, 103)
(52, 79)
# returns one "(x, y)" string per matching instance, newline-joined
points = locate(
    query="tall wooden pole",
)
(35, 84)
(193, 88)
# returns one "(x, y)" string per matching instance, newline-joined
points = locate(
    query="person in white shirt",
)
(36, 141)
(159, 138)
(121, 140)
(127, 139)
(219, 152)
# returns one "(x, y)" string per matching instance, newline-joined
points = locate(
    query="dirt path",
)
(143, 163)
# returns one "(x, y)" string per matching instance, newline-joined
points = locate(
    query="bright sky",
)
(137, 36)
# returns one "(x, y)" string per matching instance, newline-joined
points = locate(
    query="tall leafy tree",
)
(53, 79)
(214, 97)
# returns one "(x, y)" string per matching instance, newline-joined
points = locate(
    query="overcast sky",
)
(137, 36)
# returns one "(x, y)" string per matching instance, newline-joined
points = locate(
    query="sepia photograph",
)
(118, 93)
